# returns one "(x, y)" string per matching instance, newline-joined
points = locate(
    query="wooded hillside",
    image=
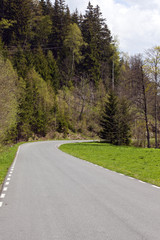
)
(57, 68)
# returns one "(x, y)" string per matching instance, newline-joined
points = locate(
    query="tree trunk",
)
(145, 110)
(82, 109)
(156, 132)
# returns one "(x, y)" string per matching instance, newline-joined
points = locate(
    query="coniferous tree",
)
(115, 121)
(43, 6)
(98, 54)
(75, 17)
(109, 121)
(54, 75)
(1, 9)
(41, 64)
(60, 20)
(8, 100)
(20, 12)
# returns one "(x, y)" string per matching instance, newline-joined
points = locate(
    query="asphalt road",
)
(50, 195)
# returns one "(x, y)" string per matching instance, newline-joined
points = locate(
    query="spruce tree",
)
(109, 121)
(115, 121)
(41, 64)
(98, 37)
(60, 18)
(20, 12)
(54, 75)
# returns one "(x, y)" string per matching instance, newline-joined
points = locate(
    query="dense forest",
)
(58, 68)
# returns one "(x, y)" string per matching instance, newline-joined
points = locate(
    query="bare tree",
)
(152, 69)
(135, 87)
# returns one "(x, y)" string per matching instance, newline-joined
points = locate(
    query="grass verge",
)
(7, 155)
(140, 163)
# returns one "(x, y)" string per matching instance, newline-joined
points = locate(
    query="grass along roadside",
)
(140, 163)
(7, 155)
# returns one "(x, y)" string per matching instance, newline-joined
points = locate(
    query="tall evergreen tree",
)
(109, 121)
(41, 64)
(115, 121)
(98, 37)
(54, 75)
(20, 12)
(1, 9)
(60, 20)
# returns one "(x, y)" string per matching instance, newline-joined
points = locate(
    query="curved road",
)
(49, 195)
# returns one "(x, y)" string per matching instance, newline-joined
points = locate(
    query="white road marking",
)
(131, 178)
(155, 186)
(8, 179)
(141, 181)
(2, 195)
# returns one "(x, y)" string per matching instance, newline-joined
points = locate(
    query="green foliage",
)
(74, 41)
(19, 12)
(65, 65)
(115, 121)
(60, 20)
(8, 98)
(35, 106)
(98, 54)
(21, 62)
(41, 64)
(6, 24)
(109, 121)
(41, 29)
(54, 74)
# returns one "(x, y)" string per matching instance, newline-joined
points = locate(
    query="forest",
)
(58, 69)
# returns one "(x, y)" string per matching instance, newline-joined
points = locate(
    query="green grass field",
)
(140, 163)
(7, 155)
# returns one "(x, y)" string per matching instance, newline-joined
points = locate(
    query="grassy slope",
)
(7, 155)
(139, 163)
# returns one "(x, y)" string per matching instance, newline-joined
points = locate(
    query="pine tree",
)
(109, 121)
(43, 6)
(41, 64)
(20, 12)
(98, 37)
(75, 17)
(115, 121)
(60, 20)
(54, 75)
(1, 9)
